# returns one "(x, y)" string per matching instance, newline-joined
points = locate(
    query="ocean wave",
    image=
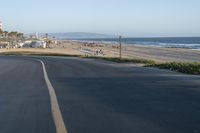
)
(189, 43)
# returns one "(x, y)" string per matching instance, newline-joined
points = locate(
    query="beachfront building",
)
(4, 44)
(38, 44)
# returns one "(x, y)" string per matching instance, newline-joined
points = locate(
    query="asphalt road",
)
(96, 97)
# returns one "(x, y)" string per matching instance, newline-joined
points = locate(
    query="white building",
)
(1, 26)
(38, 44)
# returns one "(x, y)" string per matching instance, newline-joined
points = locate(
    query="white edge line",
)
(55, 109)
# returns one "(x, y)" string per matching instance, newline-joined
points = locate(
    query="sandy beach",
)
(159, 54)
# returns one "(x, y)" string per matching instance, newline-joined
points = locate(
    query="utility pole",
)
(120, 47)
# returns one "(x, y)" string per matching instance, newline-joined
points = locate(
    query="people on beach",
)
(99, 52)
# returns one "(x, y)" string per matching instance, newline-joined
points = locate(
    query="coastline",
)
(158, 54)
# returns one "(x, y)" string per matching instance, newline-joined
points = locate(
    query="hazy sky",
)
(137, 18)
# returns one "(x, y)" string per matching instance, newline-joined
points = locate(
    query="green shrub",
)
(189, 68)
(124, 60)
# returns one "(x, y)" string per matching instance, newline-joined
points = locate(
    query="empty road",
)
(95, 97)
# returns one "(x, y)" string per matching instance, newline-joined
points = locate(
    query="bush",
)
(189, 68)
(124, 60)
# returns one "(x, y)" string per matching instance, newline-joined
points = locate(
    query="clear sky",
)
(136, 18)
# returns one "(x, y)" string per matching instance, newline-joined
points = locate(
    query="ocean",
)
(171, 42)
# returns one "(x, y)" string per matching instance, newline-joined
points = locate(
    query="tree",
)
(1, 32)
(20, 35)
(13, 34)
(5, 33)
